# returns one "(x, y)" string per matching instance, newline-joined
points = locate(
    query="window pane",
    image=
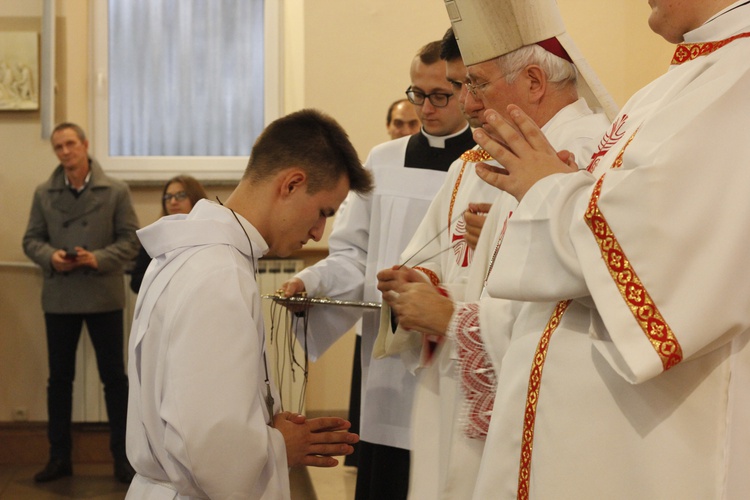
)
(185, 77)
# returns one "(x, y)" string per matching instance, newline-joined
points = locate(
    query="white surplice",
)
(643, 392)
(439, 448)
(197, 417)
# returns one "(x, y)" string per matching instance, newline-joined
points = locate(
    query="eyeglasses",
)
(477, 90)
(179, 196)
(437, 99)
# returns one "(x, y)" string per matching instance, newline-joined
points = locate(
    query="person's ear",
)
(536, 83)
(292, 181)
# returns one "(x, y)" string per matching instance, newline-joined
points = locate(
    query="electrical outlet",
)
(20, 414)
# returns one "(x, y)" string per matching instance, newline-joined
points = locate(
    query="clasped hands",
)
(314, 442)
(416, 302)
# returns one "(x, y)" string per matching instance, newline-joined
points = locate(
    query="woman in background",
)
(179, 195)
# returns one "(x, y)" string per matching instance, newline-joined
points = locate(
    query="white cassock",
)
(439, 447)
(641, 389)
(197, 417)
(369, 234)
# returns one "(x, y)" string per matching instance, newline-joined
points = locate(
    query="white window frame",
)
(160, 168)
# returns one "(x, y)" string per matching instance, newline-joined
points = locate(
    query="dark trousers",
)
(383, 472)
(355, 399)
(106, 333)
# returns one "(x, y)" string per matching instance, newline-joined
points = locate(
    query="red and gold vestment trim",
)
(455, 193)
(430, 274)
(688, 51)
(476, 155)
(631, 288)
(532, 397)
(473, 156)
(641, 304)
(461, 249)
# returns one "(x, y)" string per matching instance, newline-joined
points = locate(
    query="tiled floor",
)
(95, 482)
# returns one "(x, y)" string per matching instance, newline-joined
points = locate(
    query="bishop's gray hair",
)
(558, 70)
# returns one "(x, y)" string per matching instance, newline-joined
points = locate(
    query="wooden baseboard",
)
(24, 443)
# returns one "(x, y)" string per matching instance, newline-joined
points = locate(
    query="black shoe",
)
(55, 469)
(123, 470)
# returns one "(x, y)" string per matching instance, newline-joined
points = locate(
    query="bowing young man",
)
(203, 417)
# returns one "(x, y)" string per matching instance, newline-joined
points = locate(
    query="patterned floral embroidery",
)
(611, 138)
(688, 51)
(461, 248)
(631, 288)
(476, 155)
(532, 398)
(476, 374)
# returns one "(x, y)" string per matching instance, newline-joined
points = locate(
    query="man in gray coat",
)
(81, 232)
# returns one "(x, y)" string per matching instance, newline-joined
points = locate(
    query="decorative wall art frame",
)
(19, 70)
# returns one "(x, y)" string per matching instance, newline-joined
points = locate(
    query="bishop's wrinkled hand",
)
(391, 281)
(521, 147)
(421, 308)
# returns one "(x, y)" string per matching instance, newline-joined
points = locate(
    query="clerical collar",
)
(85, 181)
(719, 26)
(439, 141)
(735, 5)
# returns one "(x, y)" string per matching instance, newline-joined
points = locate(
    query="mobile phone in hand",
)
(71, 254)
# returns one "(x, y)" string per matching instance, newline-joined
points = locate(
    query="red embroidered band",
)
(689, 51)
(648, 316)
(430, 274)
(532, 398)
